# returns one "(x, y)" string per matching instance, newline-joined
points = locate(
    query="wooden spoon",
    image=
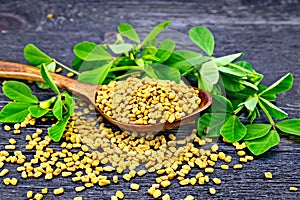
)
(88, 91)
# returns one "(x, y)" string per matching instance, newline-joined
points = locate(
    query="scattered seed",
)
(212, 191)
(189, 197)
(157, 193)
(237, 166)
(58, 191)
(268, 175)
(134, 186)
(293, 189)
(7, 128)
(166, 197)
(29, 194)
(120, 194)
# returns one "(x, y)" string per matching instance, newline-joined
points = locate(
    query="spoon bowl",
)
(89, 91)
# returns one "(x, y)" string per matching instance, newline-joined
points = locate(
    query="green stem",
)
(238, 110)
(267, 114)
(125, 68)
(65, 67)
(125, 75)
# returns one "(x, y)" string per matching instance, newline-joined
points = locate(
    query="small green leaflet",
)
(165, 50)
(225, 60)
(18, 91)
(120, 48)
(221, 104)
(263, 144)
(47, 78)
(156, 30)
(58, 108)
(232, 71)
(276, 112)
(209, 75)
(166, 73)
(291, 126)
(95, 76)
(128, 31)
(250, 102)
(51, 68)
(282, 85)
(255, 131)
(203, 38)
(210, 124)
(233, 130)
(56, 131)
(35, 56)
(69, 103)
(37, 112)
(14, 112)
(231, 84)
(90, 51)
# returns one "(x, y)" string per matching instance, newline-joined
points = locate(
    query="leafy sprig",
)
(235, 85)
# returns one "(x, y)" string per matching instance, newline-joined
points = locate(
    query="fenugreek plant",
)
(235, 85)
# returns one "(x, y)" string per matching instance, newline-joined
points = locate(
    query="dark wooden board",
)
(267, 31)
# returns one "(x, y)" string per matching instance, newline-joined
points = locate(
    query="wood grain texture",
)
(266, 31)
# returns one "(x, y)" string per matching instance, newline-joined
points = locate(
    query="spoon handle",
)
(26, 72)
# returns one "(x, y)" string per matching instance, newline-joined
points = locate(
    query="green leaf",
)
(35, 56)
(232, 71)
(221, 104)
(90, 51)
(14, 112)
(69, 103)
(246, 83)
(284, 84)
(276, 112)
(128, 31)
(58, 108)
(291, 126)
(255, 131)
(95, 76)
(166, 73)
(120, 48)
(263, 144)
(233, 130)
(203, 38)
(18, 91)
(231, 84)
(51, 68)
(56, 131)
(37, 112)
(245, 65)
(209, 75)
(210, 124)
(47, 78)
(165, 50)
(225, 60)
(251, 102)
(156, 30)
(269, 97)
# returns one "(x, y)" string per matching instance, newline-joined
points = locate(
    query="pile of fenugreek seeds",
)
(147, 101)
(90, 150)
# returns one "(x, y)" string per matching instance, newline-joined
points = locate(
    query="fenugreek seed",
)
(206, 179)
(293, 189)
(224, 167)
(4, 172)
(249, 158)
(77, 198)
(209, 170)
(17, 126)
(38, 196)
(215, 148)
(212, 191)
(165, 183)
(127, 177)
(189, 197)
(58, 70)
(184, 181)
(14, 181)
(6, 181)
(244, 160)
(120, 194)
(17, 132)
(10, 147)
(66, 174)
(104, 182)
(141, 172)
(237, 166)
(24, 174)
(115, 179)
(268, 175)
(166, 197)
(12, 141)
(114, 198)
(44, 191)
(157, 193)
(134, 186)
(217, 181)
(2, 164)
(58, 191)
(151, 190)
(7, 128)
(228, 159)
(70, 74)
(193, 181)
(89, 185)
(241, 153)
(48, 176)
(79, 188)
(29, 194)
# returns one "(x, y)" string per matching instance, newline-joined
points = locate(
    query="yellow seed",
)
(10, 147)
(212, 191)
(48, 176)
(293, 189)
(12, 141)
(7, 128)
(241, 153)
(217, 181)
(215, 148)
(224, 167)
(209, 170)
(189, 197)
(165, 183)
(66, 174)
(141, 172)
(151, 190)
(38, 196)
(1, 164)
(127, 177)
(77, 198)
(120, 194)
(58, 70)
(157, 193)
(4, 172)
(114, 198)
(44, 191)
(17, 132)
(104, 182)
(221, 155)
(79, 188)
(228, 159)
(70, 74)
(237, 166)
(268, 175)
(58, 191)
(166, 197)
(244, 160)
(29, 194)
(134, 186)
(249, 158)
(6, 181)
(193, 181)
(14, 181)
(184, 181)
